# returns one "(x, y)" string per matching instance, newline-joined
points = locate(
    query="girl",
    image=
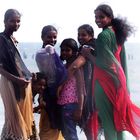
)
(38, 85)
(72, 92)
(50, 64)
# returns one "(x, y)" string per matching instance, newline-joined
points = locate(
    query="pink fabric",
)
(117, 53)
(69, 92)
(126, 114)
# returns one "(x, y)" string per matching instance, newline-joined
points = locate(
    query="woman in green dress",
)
(114, 108)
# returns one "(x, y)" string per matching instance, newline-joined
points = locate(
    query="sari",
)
(110, 90)
(17, 100)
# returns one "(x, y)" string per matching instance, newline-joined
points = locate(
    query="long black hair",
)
(47, 29)
(121, 27)
(71, 43)
(88, 28)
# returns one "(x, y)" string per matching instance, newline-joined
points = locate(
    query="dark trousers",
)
(68, 125)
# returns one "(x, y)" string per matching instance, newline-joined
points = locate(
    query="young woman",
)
(51, 65)
(15, 84)
(72, 92)
(86, 39)
(113, 105)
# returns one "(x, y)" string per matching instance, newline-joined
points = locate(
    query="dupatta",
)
(110, 74)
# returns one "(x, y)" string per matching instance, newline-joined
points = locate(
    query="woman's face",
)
(101, 19)
(83, 36)
(50, 38)
(13, 23)
(66, 53)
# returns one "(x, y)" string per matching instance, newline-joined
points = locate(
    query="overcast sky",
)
(66, 16)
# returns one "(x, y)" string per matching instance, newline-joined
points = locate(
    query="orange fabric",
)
(18, 114)
(45, 131)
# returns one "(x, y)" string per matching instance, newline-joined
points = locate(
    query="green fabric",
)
(106, 46)
(105, 113)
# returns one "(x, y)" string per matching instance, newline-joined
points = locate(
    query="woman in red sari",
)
(114, 108)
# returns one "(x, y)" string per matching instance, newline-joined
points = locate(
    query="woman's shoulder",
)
(3, 41)
(106, 33)
(2, 37)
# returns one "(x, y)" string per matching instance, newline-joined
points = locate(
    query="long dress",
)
(113, 105)
(17, 101)
(88, 106)
(50, 64)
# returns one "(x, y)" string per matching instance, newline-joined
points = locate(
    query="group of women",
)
(102, 101)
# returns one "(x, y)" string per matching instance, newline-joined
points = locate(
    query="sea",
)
(29, 49)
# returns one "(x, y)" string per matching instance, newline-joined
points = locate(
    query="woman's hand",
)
(85, 52)
(22, 82)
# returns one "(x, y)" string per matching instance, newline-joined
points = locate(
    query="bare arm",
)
(80, 92)
(78, 63)
(81, 60)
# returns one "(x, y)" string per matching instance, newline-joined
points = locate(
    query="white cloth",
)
(46, 62)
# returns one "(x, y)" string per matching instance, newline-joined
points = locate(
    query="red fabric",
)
(126, 114)
(117, 53)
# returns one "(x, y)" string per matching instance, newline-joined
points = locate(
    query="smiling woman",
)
(114, 110)
(66, 18)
